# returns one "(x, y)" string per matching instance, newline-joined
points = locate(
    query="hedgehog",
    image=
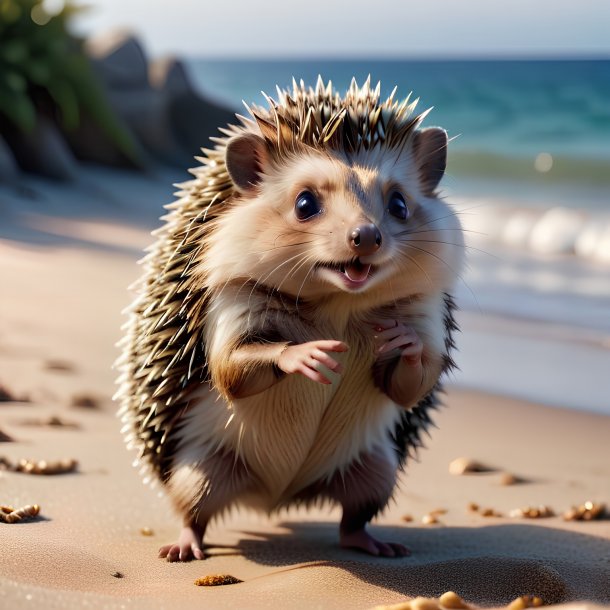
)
(295, 317)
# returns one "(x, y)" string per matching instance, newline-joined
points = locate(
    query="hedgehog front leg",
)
(363, 490)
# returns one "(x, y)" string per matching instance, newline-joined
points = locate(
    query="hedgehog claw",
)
(188, 547)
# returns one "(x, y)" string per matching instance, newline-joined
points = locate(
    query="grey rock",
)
(9, 170)
(170, 75)
(147, 116)
(119, 59)
(194, 119)
(43, 151)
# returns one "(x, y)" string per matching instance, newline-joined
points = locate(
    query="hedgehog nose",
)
(365, 239)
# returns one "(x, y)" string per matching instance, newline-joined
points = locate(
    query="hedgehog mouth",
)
(354, 273)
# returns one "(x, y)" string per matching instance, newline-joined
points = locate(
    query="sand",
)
(59, 318)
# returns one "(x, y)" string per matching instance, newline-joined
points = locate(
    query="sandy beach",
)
(64, 276)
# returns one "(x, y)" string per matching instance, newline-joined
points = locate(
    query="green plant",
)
(42, 67)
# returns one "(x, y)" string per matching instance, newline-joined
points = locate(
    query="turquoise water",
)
(505, 113)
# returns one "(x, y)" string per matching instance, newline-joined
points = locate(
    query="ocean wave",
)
(539, 167)
(557, 230)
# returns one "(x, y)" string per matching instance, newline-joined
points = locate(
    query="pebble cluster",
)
(449, 600)
(215, 580)
(43, 467)
(525, 601)
(473, 507)
(8, 514)
(532, 512)
(586, 512)
(452, 601)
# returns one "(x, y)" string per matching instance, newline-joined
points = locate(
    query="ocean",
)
(529, 174)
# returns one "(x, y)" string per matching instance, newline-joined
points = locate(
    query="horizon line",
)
(398, 57)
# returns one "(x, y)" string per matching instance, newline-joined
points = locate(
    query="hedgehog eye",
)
(306, 206)
(397, 206)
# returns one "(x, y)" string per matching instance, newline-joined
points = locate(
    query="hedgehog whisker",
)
(458, 275)
(449, 243)
(266, 277)
(413, 260)
(452, 213)
(300, 243)
(303, 283)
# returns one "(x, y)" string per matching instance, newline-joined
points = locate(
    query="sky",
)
(359, 28)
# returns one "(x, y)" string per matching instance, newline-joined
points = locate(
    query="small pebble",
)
(525, 601)
(84, 401)
(6, 395)
(215, 580)
(508, 478)
(464, 465)
(429, 519)
(473, 507)
(490, 512)
(407, 518)
(59, 365)
(146, 531)
(5, 438)
(452, 600)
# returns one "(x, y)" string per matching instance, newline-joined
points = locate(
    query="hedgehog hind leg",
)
(190, 543)
(364, 489)
(200, 490)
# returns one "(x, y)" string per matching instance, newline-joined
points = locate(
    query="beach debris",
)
(424, 603)
(532, 512)
(146, 531)
(473, 507)
(4, 437)
(525, 601)
(10, 515)
(53, 421)
(6, 395)
(215, 580)
(118, 574)
(407, 518)
(61, 366)
(490, 512)
(432, 517)
(585, 512)
(453, 601)
(463, 465)
(85, 401)
(508, 478)
(449, 600)
(39, 466)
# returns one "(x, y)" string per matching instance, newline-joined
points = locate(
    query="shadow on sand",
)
(489, 565)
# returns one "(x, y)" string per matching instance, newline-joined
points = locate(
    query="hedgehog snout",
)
(364, 239)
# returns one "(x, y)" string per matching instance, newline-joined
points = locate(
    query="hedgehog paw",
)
(363, 541)
(188, 547)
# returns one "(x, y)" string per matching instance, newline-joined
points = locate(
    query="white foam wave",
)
(555, 230)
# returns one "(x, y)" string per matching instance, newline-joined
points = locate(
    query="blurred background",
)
(104, 106)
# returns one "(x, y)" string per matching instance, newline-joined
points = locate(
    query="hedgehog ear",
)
(430, 152)
(245, 157)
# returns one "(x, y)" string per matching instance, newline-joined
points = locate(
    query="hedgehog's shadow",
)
(487, 565)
